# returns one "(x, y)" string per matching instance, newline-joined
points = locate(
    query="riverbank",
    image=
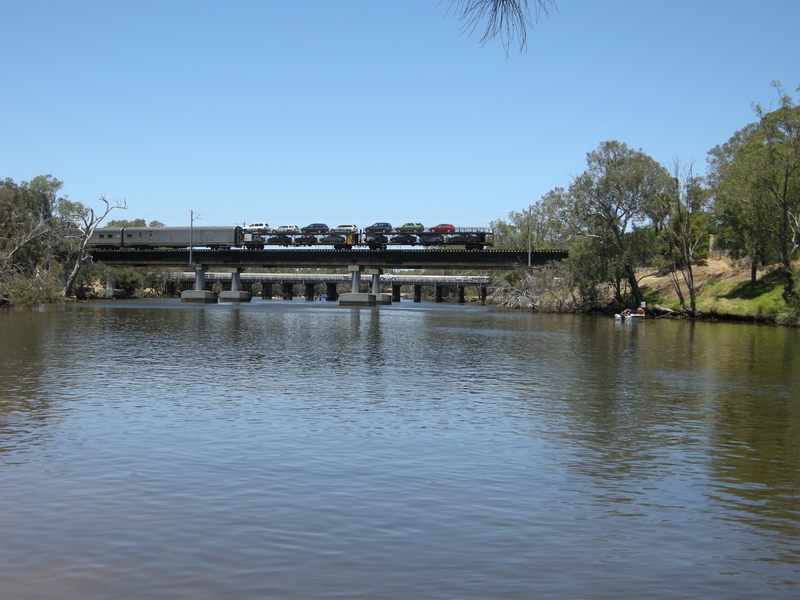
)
(725, 292)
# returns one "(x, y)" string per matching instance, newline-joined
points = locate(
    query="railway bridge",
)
(357, 262)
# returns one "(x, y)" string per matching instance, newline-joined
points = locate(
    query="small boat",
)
(634, 316)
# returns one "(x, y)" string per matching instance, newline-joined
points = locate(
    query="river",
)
(292, 449)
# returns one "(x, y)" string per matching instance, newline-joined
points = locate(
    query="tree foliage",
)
(81, 221)
(684, 237)
(507, 19)
(42, 239)
(29, 240)
(756, 177)
(605, 203)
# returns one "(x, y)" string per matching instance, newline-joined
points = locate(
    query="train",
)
(223, 238)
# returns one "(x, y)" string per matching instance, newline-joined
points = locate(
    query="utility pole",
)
(191, 233)
(529, 238)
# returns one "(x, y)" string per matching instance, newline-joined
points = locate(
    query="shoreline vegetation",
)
(725, 292)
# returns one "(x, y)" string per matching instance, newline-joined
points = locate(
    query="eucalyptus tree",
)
(29, 240)
(537, 226)
(757, 186)
(79, 222)
(741, 227)
(609, 200)
(127, 223)
(685, 233)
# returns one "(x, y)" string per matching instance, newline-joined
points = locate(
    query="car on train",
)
(257, 227)
(410, 227)
(347, 228)
(380, 227)
(315, 228)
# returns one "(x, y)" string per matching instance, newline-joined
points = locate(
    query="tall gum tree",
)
(29, 238)
(758, 184)
(613, 196)
(80, 221)
(685, 231)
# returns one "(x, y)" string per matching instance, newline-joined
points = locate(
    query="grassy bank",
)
(725, 292)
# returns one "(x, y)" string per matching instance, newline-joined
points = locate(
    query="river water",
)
(153, 449)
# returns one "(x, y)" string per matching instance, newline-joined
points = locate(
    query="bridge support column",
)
(288, 290)
(236, 294)
(331, 291)
(376, 288)
(396, 292)
(483, 295)
(111, 290)
(461, 299)
(355, 281)
(309, 292)
(266, 291)
(438, 292)
(417, 292)
(355, 297)
(199, 293)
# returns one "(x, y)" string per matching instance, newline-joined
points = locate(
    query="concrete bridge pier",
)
(266, 291)
(461, 299)
(236, 294)
(483, 295)
(199, 293)
(309, 292)
(438, 292)
(396, 292)
(111, 290)
(287, 290)
(331, 291)
(355, 297)
(417, 292)
(376, 288)
(355, 279)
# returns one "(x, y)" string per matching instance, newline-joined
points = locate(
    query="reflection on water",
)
(296, 450)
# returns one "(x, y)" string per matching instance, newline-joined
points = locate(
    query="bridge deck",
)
(337, 278)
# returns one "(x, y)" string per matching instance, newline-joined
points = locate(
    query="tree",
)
(509, 19)
(80, 221)
(126, 223)
(538, 225)
(27, 212)
(608, 200)
(687, 227)
(757, 177)
(28, 238)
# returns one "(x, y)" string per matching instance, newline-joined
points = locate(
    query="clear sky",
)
(356, 111)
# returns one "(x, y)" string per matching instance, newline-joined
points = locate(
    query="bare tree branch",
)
(81, 222)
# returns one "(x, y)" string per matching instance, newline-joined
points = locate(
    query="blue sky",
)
(356, 111)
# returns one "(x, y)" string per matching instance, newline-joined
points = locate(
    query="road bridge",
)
(310, 281)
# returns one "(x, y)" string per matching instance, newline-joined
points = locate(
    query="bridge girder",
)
(386, 259)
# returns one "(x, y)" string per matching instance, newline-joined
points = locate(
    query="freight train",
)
(217, 238)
